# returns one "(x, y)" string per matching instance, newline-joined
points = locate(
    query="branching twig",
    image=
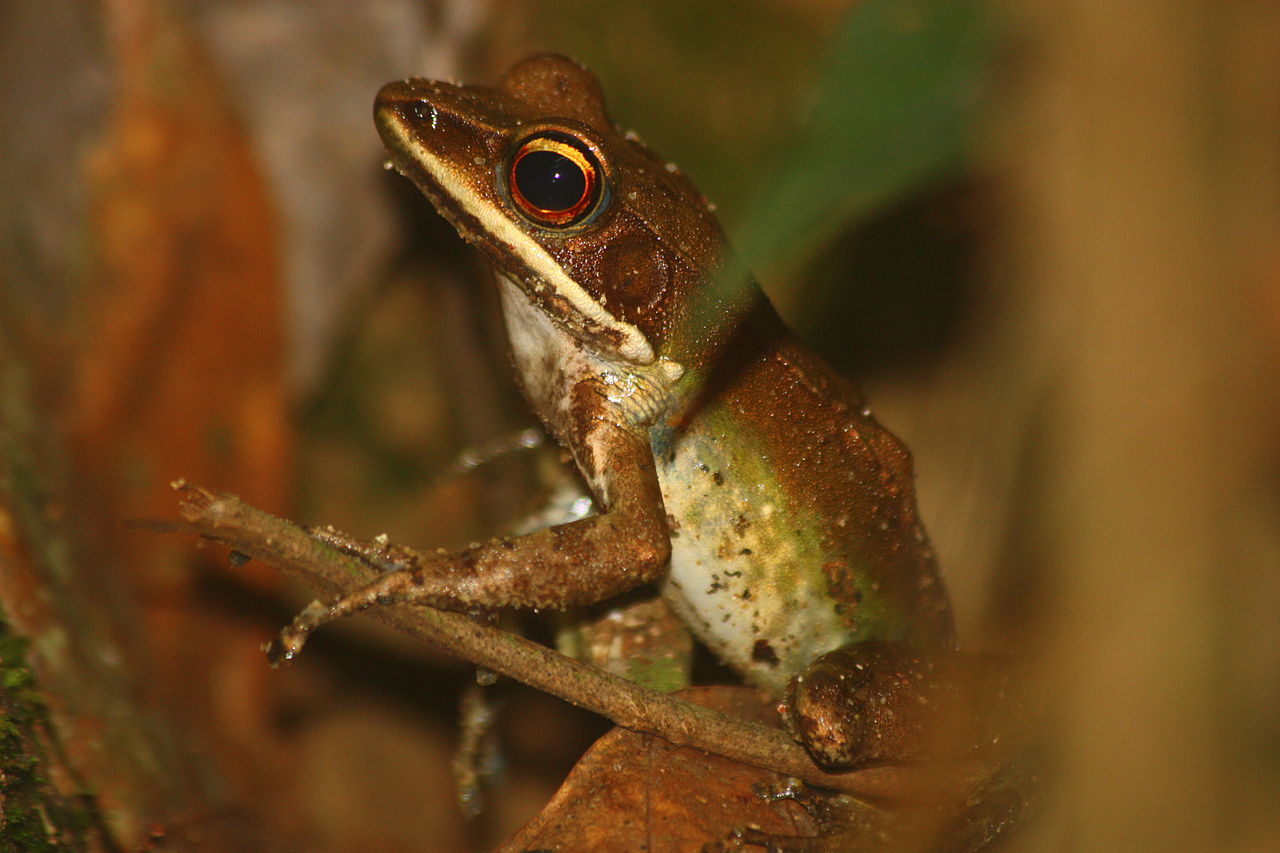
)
(225, 518)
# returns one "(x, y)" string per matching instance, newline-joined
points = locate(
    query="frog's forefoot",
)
(286, 645)
(391, 588)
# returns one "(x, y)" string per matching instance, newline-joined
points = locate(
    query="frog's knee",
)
(860, 704)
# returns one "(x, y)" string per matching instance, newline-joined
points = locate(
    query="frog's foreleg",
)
(571, 565)
(565, 501)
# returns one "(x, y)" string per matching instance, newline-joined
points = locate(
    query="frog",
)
(733, 472)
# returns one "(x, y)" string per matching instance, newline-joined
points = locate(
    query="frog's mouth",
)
(464, 195)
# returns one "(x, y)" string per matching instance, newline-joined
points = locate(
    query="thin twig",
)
(226, 519)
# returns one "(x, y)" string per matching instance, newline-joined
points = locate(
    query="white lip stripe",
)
(634, 346)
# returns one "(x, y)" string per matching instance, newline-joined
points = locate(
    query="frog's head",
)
(604, 236)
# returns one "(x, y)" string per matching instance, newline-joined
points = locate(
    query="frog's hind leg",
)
(873, 702)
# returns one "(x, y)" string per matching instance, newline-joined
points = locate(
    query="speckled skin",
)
(733, 467)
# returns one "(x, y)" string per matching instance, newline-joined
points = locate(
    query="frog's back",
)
(798, 530)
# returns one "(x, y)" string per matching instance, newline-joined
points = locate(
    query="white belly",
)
(745, 570)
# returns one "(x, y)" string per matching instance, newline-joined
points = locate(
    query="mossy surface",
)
(34, 816)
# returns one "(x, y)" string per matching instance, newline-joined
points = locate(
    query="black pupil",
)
(549, 180)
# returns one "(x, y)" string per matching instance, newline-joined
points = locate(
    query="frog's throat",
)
(627, 341)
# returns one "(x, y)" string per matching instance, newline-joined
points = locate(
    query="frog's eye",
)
(555, 180)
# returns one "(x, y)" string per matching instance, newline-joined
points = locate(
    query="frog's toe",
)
(285, 646)
(376, 553)
(390, 588)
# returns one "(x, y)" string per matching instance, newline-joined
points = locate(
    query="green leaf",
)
(891, 113)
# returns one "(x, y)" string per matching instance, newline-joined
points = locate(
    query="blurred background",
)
(1044, 235)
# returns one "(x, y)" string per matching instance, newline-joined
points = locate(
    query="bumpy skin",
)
(731, 465)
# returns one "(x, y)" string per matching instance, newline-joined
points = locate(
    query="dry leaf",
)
(638, 792)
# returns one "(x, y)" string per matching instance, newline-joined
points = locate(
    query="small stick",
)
(226, 519)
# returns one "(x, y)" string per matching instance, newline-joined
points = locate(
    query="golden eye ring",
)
(554, 180)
